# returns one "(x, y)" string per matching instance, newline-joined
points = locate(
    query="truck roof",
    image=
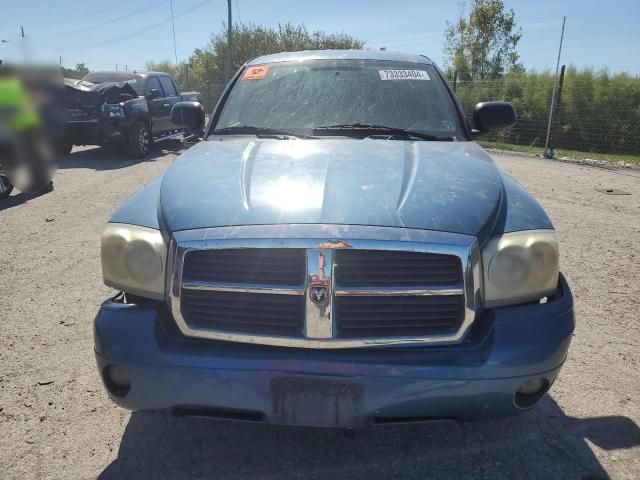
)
(340, 55)
(141, 73)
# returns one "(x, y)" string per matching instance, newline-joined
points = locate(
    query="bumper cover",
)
(98, 131)
(345, 388)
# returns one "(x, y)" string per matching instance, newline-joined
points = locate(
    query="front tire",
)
(5, 187)
(139, 140)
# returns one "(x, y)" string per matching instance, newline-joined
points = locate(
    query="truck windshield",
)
(341, 97)
(114, 77)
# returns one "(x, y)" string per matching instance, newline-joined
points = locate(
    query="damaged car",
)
(126, 110)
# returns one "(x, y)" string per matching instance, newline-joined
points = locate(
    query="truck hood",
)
(446, 186)
(83, 93)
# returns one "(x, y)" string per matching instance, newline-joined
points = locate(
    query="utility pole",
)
(560, 85)
(229, 49)
(173, 26)
(548, 151)
(23, 45)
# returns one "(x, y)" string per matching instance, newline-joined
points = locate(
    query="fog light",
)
(117, 379)
(530, 392)
(531, 387)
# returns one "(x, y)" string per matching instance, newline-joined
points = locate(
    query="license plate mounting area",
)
(318, 402)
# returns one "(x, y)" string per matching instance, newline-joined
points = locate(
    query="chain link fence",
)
(210, 95)
(591, 119)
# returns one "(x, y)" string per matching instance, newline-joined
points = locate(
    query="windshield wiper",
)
(383, 129)
(258, 131)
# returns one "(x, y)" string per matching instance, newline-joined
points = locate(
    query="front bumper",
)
(97, 131)
(475, 379)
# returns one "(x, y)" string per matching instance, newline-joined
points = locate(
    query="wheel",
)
(5, 187)
(139, 140)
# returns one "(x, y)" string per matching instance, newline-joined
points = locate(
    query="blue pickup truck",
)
(338, 251)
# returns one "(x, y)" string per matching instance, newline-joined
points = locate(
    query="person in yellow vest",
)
(27, 153)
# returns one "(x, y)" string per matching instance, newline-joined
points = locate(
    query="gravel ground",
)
(57, 422)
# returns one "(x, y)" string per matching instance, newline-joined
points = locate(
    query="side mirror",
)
(489, 116)
(188, 115)
(154, 93)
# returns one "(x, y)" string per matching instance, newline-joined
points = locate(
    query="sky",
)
(103, 34)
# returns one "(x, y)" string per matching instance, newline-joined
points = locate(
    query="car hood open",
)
(446, 186)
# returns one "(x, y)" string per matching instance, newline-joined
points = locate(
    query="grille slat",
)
(231, 267)
(400, 264)
(404, 325)
(398, 272)
(240, 319)
(423, 316)
(405, 271)
(378, 303)
(243, 313)
(278, 307)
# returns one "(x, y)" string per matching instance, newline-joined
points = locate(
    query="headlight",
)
(520, 267)
(134, 260)
(113, 111)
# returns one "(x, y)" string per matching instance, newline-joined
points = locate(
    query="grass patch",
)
(561, 152)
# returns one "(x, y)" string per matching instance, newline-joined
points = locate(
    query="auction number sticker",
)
(255, 73)
(403, 75)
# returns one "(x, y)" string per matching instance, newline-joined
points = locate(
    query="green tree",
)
(205, 69)
(250, 41)
(179, 72)
(80, 71)
(164, 66)
(597, 112)
(482, 44)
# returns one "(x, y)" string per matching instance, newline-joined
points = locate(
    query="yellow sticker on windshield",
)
(403, 75)
(255, 73)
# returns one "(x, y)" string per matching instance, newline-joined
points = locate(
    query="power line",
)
(173, 28)
(103, 64)
(97, 12)
(238, 11)
(132, 34)
(93, 27)
(228, 62)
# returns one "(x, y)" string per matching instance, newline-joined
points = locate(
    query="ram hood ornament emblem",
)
(319, 294)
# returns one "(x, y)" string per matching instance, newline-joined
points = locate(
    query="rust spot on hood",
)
(335, 245)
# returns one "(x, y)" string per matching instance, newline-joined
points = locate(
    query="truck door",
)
(159, 108)
(172, 97)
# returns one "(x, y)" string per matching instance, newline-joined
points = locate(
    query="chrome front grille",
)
(324, 286)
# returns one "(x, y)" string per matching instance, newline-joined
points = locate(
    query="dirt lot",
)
(56, 420)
